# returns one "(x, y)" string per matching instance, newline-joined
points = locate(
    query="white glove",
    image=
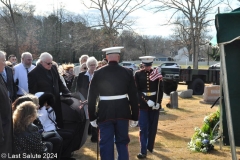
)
(150, 103)
(94, 123)
(133, 123)
(156, 107)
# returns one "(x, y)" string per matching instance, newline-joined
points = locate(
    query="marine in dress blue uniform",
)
(150, 95)
(115, 87)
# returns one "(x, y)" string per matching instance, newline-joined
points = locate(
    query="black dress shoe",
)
(94, 140)
(141, 156)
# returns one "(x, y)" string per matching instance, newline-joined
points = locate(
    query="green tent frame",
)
(228, 38)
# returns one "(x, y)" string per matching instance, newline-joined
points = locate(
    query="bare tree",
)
(196, 13)
(8, 4)
(113, 15)
(230, 4)
(181, 35)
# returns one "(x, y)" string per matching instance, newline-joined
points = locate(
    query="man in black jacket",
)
(5, 114)
(11, 86)
(45, 78)
(115, 87)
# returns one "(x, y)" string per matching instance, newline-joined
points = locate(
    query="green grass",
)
(185, 66)
(199, 66)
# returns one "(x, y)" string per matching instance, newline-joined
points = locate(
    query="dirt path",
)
(175, 129)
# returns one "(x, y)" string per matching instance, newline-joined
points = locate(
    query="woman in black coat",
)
(27, 138)
(84, 78)
(68, 75)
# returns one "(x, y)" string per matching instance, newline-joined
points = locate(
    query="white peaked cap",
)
(147, 59)
(113, 50)
(39, 94)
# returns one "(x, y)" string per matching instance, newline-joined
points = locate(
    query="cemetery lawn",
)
(175, 129)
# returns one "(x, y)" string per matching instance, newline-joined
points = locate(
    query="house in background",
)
(161, 57)
(182, 55)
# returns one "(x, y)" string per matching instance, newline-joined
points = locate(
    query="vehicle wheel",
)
(197, 86)
(189, 85)
(168, 87)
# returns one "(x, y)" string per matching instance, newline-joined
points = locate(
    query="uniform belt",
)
(113, 97)
(149, 93)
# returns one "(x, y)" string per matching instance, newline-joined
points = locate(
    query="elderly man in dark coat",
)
(45, 78)
(5, 113)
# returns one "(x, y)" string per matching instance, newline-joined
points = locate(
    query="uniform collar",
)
(148, 71)
(113, 63)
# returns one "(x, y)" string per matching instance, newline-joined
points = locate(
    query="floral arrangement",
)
(203, 139)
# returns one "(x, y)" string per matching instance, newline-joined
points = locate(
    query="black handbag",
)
(47, 135)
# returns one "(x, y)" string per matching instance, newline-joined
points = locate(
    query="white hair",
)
(91, 60)
(2, 54)
(83, 56)
(44, 56)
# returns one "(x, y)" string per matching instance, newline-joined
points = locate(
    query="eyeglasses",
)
(50, 63)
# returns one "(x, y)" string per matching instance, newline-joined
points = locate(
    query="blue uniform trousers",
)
(148, 122)
(114, 131)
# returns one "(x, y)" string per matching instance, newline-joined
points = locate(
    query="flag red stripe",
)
(155, 75)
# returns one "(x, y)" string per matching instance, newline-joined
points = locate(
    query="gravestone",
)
(174, 99)
(186, 94)
(211, 93)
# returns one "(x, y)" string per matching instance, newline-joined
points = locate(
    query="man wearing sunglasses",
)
(45, 78)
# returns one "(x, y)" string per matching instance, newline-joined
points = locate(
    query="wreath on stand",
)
(203, 138)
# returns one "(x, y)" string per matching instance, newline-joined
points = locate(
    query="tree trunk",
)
(9, 6)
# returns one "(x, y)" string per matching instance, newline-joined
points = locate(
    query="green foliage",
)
(215, 54)
(203, 139)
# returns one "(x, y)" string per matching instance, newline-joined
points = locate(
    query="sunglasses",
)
(50, 63)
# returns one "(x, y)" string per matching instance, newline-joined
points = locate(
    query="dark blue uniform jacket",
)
(112, 80)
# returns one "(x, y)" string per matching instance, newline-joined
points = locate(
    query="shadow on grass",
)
(167, 116)
(192, 98)
(218, 153)
(160, 156)
(184, 110)
(173, 137)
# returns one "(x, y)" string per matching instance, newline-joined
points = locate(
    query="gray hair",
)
(25, 53)
(2, 54)
(82, 56)
(91, 60)
(44, 56)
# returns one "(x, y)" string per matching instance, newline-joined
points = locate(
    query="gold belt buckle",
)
(148, 93)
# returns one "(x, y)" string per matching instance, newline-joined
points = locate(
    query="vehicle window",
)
(126, 64)
(169, 64)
